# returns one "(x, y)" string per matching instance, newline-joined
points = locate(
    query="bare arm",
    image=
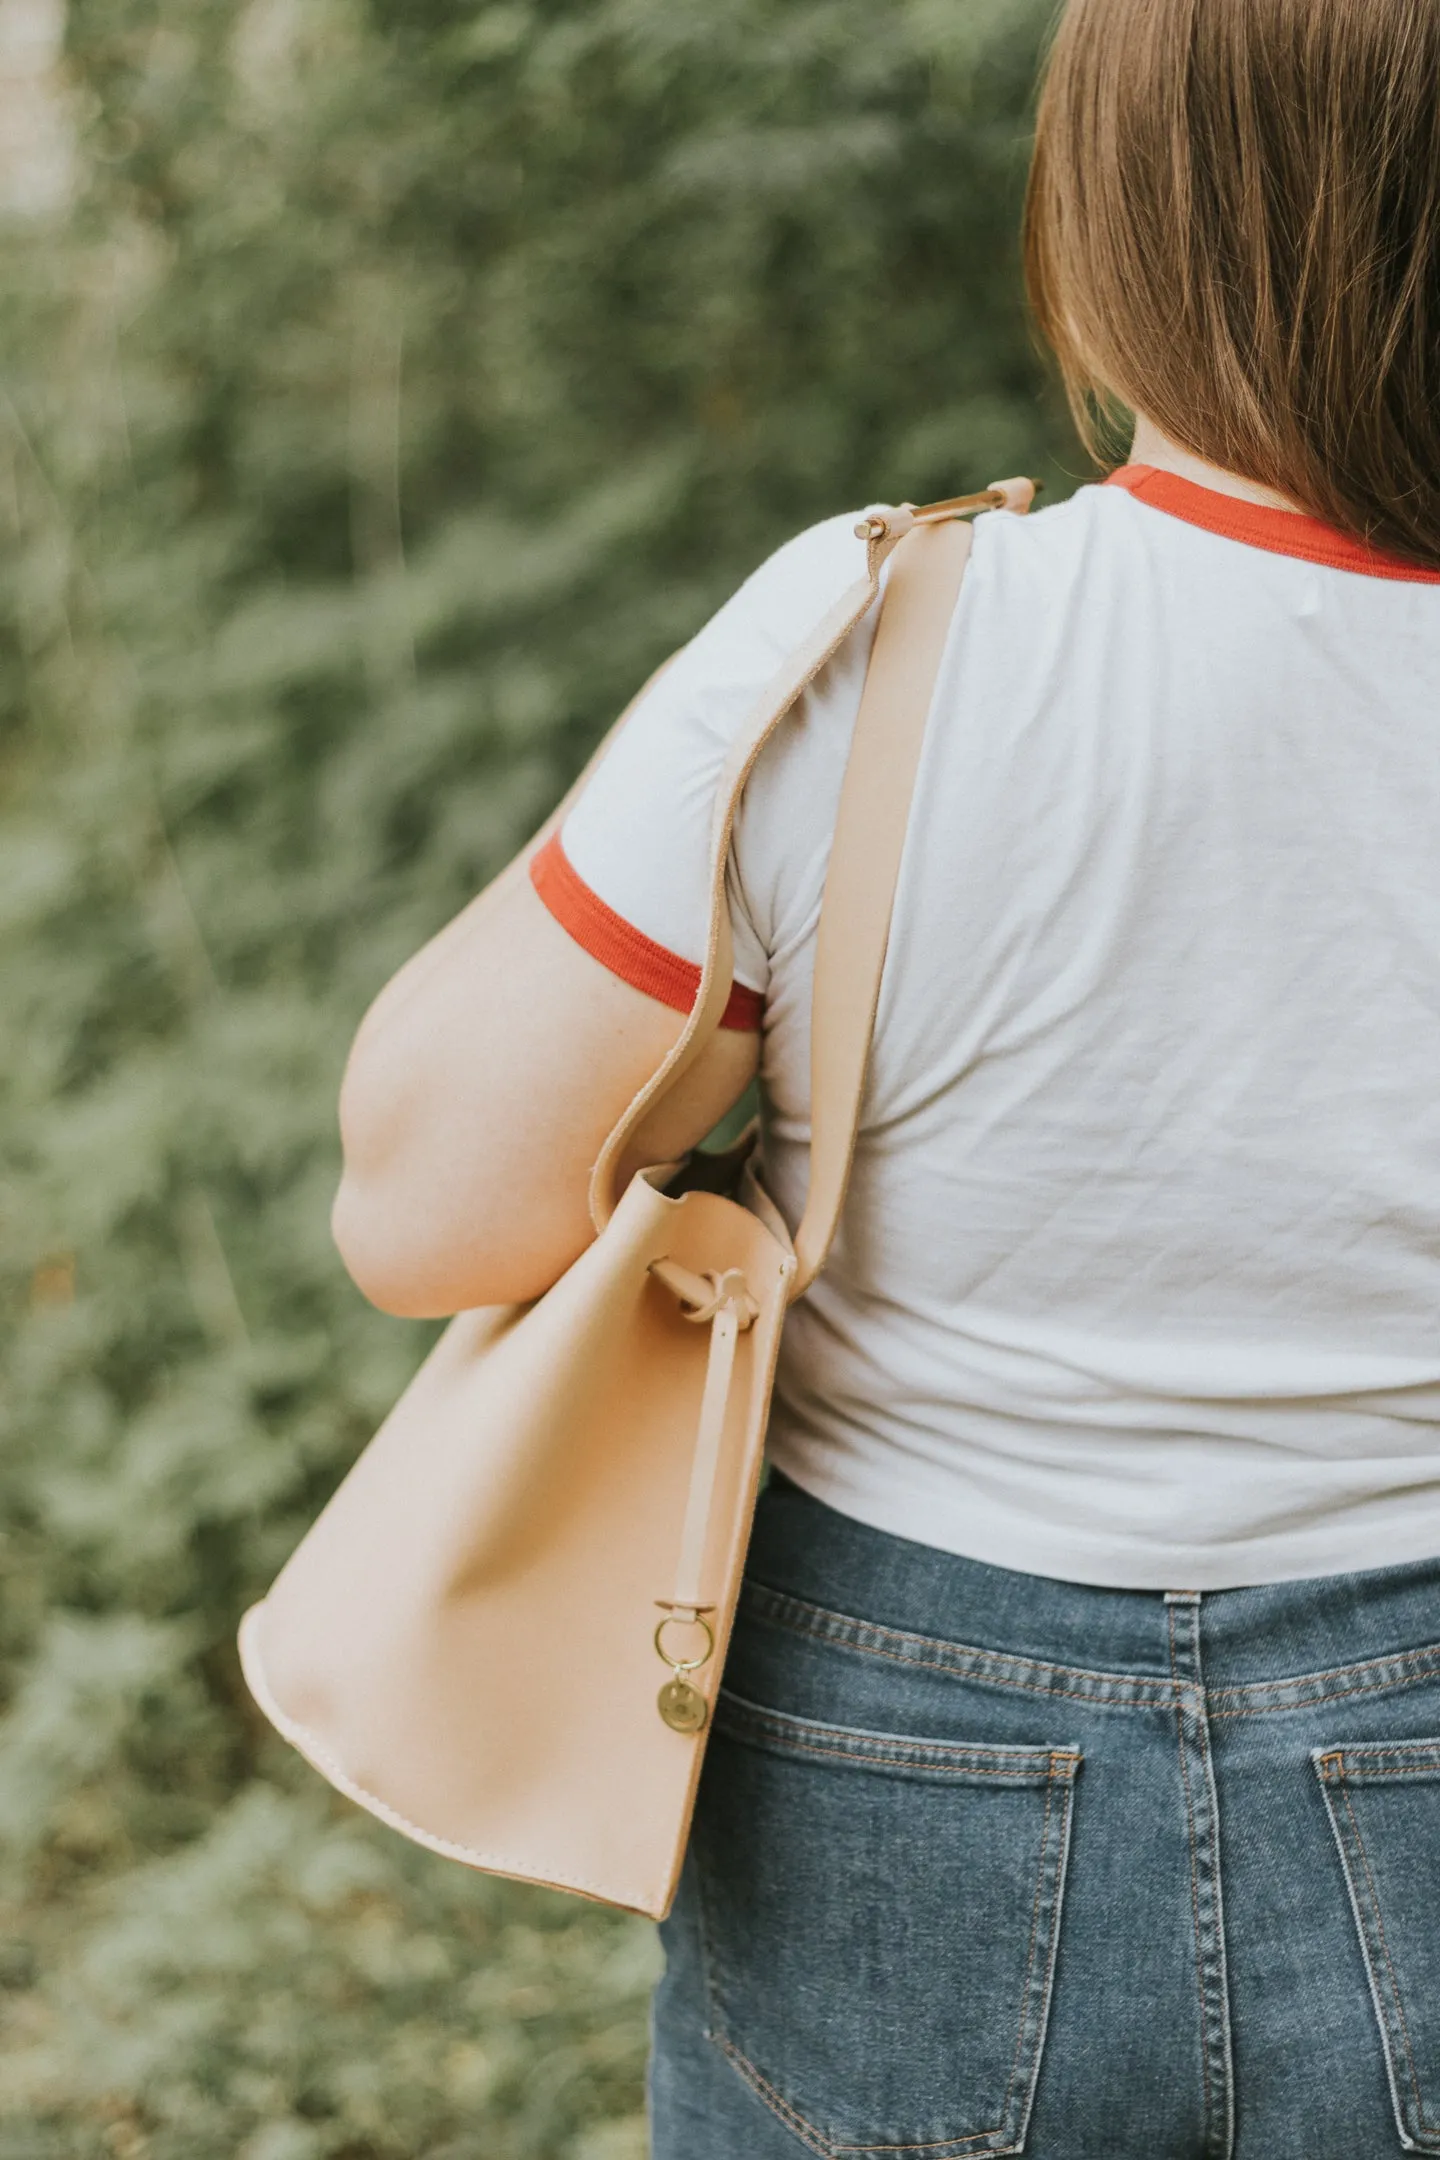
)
(483, 1082)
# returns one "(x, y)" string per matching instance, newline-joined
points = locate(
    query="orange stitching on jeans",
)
(1430, 1770)
(1335, 1672)
(1310, 1702)
(1028, 1762)
(1194, 1875)
(797, 1617)
(1161, 1700)
(1426, 2124)
(1064, 1765)
(1354, 1762)
(818, 2142)
(1030, 1949)
(788, 2115)
(1409, 1666)
(827, 1754)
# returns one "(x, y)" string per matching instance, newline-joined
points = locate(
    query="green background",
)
(393, 387)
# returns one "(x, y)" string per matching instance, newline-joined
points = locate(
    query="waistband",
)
(805, 1554)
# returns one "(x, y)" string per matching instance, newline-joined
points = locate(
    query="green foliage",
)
(400, 385)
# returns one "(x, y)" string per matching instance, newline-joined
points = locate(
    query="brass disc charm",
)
(682, 1706)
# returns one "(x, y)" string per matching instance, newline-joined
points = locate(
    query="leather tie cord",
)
(727, 1307)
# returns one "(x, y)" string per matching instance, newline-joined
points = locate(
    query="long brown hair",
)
(1233, 226)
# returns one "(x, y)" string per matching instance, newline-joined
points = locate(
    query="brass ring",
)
(683, 1665)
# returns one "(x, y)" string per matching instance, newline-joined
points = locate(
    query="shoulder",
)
(639, 836)
(1050, 538)
(1051, 565)
(791, 590)
(698, 704)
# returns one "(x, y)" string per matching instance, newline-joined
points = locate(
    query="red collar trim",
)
(1279, 532)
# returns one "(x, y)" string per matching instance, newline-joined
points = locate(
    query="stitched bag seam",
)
(301, 1737)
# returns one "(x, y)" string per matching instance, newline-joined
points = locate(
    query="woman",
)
(1076, 1787)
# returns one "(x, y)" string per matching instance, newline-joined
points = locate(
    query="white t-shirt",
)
(1138, 1278)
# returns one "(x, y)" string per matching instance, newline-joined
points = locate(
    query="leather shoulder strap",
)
(794, 676)
(865, 856)
(860, 883)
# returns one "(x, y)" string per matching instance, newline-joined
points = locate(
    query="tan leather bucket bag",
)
(505, 1633)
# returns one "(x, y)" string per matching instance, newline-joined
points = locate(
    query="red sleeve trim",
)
(623, 949)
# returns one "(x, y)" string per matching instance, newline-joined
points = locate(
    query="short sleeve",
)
(627, 875)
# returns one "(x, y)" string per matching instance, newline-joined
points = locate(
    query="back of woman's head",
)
(1234, 227)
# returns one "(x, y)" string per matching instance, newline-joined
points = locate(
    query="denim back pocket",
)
(1384, 1803)
(881, 1920)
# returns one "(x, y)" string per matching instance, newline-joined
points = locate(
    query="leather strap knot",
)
(728, 1289)
(704, 1297)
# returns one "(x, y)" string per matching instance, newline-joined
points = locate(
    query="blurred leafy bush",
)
(400, 383)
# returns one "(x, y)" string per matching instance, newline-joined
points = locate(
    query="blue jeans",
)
(985, 1863)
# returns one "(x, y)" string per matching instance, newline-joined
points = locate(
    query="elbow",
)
(373, 1228)
(376, 1260)
(426, 1264)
